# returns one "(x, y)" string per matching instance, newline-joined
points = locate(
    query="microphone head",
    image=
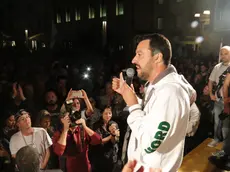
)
(130, 72)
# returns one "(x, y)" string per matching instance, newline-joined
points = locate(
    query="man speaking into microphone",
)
(158, 125)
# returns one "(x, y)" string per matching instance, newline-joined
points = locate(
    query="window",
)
(121, 47)
(159, 23)
(119, 7)
(91, 12)
(58, 18)
(77, 15)
(34, 44)
(104, 25)
(67, 16)
(102, 10)
(13, 44)
(160, 2)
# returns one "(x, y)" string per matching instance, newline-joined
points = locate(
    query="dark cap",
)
(20, 113)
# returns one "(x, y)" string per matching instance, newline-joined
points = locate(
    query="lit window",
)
(77, 15)
(159, 23)
(91, 12)
(197, 15)
(119, 7)
(160, 2)
(58, 18)
(34, 44)
(67, 16)
(104, 26)
(121, 47)
(207, 12)
(13, 43)
(102, 10)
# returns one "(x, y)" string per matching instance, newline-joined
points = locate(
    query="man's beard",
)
(145, 71)
(51, 103)
(144, 76)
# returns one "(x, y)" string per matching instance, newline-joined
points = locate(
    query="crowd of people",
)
(81, 125)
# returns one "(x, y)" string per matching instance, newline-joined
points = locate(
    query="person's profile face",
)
(143, 60)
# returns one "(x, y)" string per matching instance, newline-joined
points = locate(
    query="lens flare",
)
(199, 39)
(194, 24)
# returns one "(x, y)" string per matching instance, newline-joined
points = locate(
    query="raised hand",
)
(81, 121)
(120, 86)
(84, 95)
(21, 94)
(65, 121)
(69, 95)
(15, 92)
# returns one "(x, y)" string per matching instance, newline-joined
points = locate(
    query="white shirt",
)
(40, 139)
(217, 71)
(158, 131)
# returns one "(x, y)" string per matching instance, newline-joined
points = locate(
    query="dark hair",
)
(8, 114)
(106, 107)
(51, 90)
(19, 114)
(100, 122)
(27, 159)
(157, 43)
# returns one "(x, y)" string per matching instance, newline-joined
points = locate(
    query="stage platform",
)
(197, 159)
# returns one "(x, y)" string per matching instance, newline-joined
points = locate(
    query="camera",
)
(73, 115)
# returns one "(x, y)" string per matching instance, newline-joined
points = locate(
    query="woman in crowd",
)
(104, 156)
(74, 100)
(73, 138)
(72, 142)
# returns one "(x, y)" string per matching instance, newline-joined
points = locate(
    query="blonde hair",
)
(44, 113)
(41, 114)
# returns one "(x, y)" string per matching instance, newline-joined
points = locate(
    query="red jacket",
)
(75, 152)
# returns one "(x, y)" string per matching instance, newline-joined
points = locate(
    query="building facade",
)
(26, 21)
(97, 24)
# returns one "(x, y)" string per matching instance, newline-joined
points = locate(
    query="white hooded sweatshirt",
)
(194, 114)
(159, 130)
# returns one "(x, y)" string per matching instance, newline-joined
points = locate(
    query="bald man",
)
(217, 76)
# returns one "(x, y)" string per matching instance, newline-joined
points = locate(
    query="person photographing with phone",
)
(72, 139)
(158, 125)
(75, 104)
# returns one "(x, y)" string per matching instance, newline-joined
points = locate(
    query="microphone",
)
(129, 75)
